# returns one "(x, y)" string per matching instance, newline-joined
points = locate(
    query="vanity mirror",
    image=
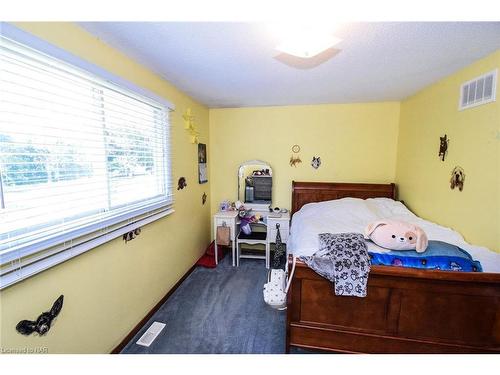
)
(255, 184)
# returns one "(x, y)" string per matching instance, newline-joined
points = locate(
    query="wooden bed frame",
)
(406, 310)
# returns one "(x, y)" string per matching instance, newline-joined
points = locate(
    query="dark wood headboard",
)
(309, 192)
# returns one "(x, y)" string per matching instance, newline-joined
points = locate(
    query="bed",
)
(406, 310)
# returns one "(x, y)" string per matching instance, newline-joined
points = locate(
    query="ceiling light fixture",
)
(307, 45)
(305, 41)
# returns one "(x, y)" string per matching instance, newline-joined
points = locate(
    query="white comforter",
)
(353, 215)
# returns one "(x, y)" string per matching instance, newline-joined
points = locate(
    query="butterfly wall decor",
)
(43, 323)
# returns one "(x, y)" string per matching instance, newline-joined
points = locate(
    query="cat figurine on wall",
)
(443, 147)
(316, 162)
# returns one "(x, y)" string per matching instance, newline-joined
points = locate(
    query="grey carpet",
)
(218, 310)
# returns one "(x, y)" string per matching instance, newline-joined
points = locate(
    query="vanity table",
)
(272, 221)
(255, 181)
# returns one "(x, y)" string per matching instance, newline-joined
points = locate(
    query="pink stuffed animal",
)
(397, 235)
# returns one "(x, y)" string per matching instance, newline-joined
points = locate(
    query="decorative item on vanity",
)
(181, 184)
(443, 147)
(397, 235)
(294, 160)
(202, 163)
(227, 205)
(203, 198)
(129, 236)
(246, 219)
(237, 205)
(43, 322)
(242, 212)
(457, 178)
(316, 162)
(190, 126)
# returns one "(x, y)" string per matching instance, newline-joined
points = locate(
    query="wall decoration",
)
(202, 163)
(316, 162)
(203, 198)
(457, 178)
(443, 147)
(181, 184)
(294, 160)
(129, 236)
(190, 125)
(43, 322)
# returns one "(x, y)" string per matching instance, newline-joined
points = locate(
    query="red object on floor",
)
(208, 259)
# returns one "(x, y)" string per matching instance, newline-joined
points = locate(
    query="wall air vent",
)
(480, 90)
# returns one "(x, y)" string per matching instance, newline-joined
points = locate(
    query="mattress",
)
(353, 215)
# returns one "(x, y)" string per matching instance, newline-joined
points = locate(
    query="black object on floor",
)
(218, 310)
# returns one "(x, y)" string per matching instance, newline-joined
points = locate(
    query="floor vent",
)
(150, 335)
(480, 90)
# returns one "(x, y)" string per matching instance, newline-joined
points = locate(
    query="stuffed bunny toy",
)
(397, 235)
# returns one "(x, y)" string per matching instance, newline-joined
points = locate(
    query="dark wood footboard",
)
(405, 311)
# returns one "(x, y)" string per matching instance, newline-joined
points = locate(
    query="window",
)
(82, 160)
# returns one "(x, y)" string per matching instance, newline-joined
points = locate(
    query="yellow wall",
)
(111, 288)
(474, 135)
(356, 143)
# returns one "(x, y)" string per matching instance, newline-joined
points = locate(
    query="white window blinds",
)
(81, 160)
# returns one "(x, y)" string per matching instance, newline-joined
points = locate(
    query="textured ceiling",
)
(232, 64)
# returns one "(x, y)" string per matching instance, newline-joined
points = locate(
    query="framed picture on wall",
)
(202, 163)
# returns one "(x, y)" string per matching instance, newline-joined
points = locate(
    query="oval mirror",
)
(255, 184)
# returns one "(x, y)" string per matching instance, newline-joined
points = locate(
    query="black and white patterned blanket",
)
(343, 259)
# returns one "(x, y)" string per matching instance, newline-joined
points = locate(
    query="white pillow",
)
(386, 207)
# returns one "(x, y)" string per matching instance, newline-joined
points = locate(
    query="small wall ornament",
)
(316, 162)
(203, 198)
(443, 147)
(43, 323)
(457, 178)
(202, 163)
(190, 125)
(294, 160)
(129, 236)
(181, 184)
